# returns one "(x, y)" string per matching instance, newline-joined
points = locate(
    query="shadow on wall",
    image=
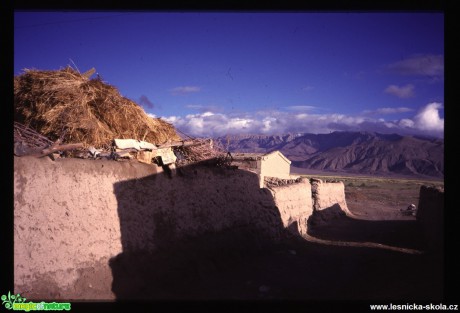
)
(333, 224)
(181, 231)
(430, 216)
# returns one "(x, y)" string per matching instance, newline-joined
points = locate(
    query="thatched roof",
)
(65, 102)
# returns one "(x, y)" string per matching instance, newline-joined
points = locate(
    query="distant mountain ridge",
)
(353, 152)
(255, 143)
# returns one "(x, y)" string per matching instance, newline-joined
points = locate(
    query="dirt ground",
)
(383, 198)
(298, 269)
(229, 266)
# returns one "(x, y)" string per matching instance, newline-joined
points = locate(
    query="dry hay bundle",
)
(89, 111)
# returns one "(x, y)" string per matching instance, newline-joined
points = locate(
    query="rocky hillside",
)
(255, 143)
(353, 152)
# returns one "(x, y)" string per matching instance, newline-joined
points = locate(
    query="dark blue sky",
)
(217, 73)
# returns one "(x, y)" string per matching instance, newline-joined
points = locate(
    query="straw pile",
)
(82, 110)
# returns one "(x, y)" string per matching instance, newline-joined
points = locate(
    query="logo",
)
(18, 303)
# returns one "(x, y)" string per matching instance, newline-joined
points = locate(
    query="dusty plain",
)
(301, 270)
(234, 266)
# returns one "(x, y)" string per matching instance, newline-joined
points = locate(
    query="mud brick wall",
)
(430, 216)
(328, 194)
(66, 219)
(73, 216)
(294, 202)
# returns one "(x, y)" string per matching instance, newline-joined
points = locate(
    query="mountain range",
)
(364, 153)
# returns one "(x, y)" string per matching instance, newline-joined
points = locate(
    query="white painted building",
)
(272, 164)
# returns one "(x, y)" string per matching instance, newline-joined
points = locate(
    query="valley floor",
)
(301, 270)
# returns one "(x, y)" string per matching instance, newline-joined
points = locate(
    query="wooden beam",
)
(56, 148)
(180, 144)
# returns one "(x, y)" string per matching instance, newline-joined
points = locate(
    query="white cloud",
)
(420, 65)
(176, 120)
(393, 110)
(269, 122)
(387, 111)
(182, 90)
(300, 107)
(428, 118)
(204, 108)
(301, 116)
(427, 121)
(401, 92)
(209, 124)
(405, 122)
(151, 115)
(194, 106)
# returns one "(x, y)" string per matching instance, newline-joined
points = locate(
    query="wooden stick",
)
(180, 144)
(55, 148)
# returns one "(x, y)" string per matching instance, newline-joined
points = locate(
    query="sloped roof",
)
(280, 154)
(258, 156)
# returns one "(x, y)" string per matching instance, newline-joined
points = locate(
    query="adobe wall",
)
(430, 216)
(65, 218)
(294, 202)
(328, 194)
(73, 216)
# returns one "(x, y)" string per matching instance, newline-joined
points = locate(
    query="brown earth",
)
(301, 270)
(229, 265)
(297, 269)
